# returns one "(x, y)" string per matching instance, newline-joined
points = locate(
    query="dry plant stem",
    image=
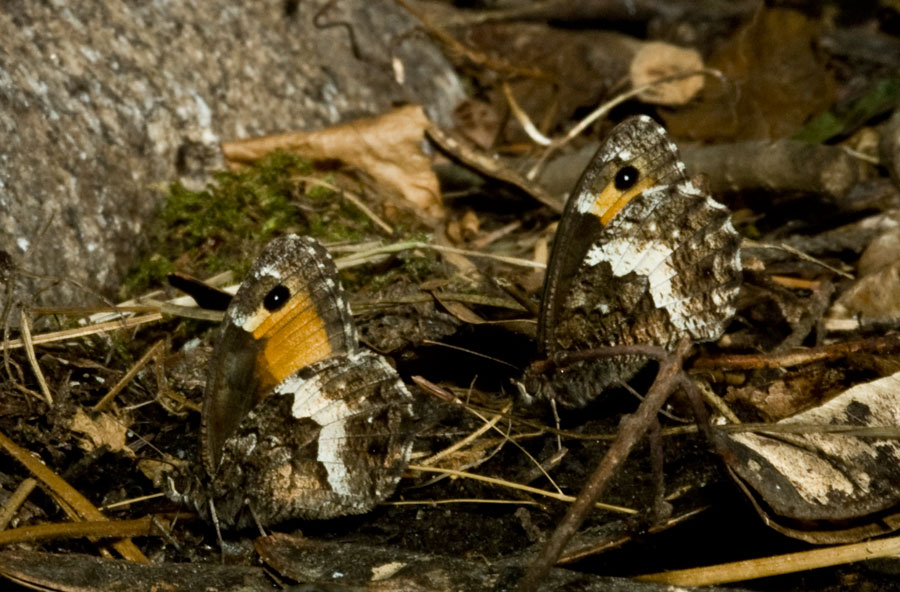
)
(632, 429)
(83, 331)
(795, 283)
(526, 488)
(69, 530)
(579, 553)
(747, 243)
(854, 431)
(489, 166)
(154, 350)
(352, 198)
(80, 311)
(602, 110)
(25, 326)
(463, 500)
(15, 501)
(877, 345)
(523, 119)
(476, 58)
(777, 564)
(431, 460)
(58, 486)
(716, 402)
(364, 256)
(133, 500)
(450, 397)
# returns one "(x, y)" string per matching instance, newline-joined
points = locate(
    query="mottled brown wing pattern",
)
(664, 266)
(638, 143)
(330, 440)
(288, 314)
(297, 421)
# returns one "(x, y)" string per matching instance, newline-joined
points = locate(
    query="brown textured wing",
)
(598, 197)
(288, 314)
(648, 261)
(329, 441)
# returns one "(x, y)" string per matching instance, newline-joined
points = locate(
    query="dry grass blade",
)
(488, 165)
(458, 445)
(154, 350)
(533, 132)
(15, 501)
(83, 331)
(518, 486)
(462, 500)
(25, 324)
(133, 500)
(352, 198)
(777, 564)
(605, 108)
(364, 257)
(58, 486)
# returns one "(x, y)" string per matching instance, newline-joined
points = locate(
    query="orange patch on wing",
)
(610, 201)
(294, 337)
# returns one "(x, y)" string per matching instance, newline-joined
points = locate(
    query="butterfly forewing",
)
(642, 256)
(289, 314)
(638, 144)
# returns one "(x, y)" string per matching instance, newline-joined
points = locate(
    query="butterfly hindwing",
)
(331, 440)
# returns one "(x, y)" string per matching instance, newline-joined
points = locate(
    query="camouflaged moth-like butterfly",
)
(642, 255)
(297, 420)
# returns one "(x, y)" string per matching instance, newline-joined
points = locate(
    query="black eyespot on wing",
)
(276, 297)
(626, 177)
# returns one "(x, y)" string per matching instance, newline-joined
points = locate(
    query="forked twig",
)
(632, 429)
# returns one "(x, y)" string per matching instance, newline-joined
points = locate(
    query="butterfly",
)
(642, 255)
(297, 420)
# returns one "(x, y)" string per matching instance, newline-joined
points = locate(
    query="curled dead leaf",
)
(822, 485)
(387, 147)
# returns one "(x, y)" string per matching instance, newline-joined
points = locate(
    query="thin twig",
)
(883, 345)
(605, 108)
(362, 257)
(67, 530)
(352, 198)
(632, 428)
(15, 501)
(83, 331)
(777, 564)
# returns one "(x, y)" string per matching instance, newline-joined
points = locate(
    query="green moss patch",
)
(224, 225)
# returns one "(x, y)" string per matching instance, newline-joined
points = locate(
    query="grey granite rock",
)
(100, 102)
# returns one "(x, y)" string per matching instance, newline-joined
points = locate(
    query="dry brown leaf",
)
(478, 121)
(101, 430)
(876, 294)
(387, 147)
(827, 487)
(655, 60)
(775, 80)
